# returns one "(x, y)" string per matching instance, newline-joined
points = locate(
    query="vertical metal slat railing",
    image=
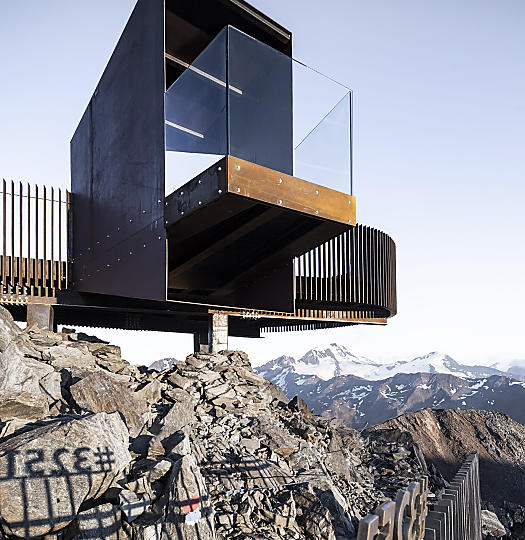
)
(356, 268)
(34, 241)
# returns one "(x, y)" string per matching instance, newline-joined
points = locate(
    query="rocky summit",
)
(93, 447)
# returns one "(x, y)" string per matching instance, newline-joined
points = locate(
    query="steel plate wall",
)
(117, 169)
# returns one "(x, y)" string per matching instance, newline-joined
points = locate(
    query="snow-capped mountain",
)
(337, 360)
(323, 363)
(360, 402)
(336, 383)
(436, 362)
(511, 367)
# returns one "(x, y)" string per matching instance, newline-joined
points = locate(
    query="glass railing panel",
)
(324, 155)
(277, 112)
(259, 103)
(195, 115)
(322, 129)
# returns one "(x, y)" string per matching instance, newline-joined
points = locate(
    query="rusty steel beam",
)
(248, 179)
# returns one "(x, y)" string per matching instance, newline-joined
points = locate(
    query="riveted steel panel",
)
(117, 168)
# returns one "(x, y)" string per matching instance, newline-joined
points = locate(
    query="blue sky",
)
(439, 139)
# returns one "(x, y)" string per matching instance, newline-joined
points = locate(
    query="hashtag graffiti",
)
(104, 458)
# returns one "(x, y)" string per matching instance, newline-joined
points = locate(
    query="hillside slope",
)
(446, 437)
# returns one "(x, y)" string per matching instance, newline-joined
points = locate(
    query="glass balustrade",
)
(244, 98)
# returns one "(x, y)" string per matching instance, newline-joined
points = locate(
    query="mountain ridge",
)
(434, 380)
(337, 360)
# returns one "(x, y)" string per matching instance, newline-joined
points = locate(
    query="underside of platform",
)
(235, 229)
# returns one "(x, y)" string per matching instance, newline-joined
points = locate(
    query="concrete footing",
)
(41, 315)
(215, 339)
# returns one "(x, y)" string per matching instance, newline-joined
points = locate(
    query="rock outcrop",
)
(92, 447)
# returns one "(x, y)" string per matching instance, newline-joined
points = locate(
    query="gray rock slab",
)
(8, 329)
(189, 513)
(100, 392)
(216, 391)
(20, 393)
(48, 472)
(134, 505)
(490, 524)
(151, 393)
(179, 381)
(167, 429)
(100, 523)
(65, 356)
(51, 385)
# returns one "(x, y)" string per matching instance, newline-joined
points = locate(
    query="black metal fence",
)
(454, 515)
(356, 268)
(33, 251)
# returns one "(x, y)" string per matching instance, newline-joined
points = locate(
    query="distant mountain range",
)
(337, 360)
(336, 383)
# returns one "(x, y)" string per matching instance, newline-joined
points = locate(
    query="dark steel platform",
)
(234, 230)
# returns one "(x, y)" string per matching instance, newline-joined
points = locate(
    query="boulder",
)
(8, 329)
(69, 356)
(336, 459)
(152, 470)
(42, 338)
(179, 381)
(9, 427)
(100, 392)
(490, 524)
(312, 516)
(48, 472)
(51, 385)
(167, 431)
(189, 512)
(151, 392)
(20, 393)
(219, 390)
(150, 532)
(134, 504)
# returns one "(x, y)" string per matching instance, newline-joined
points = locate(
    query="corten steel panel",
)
(117, 168)
(279, 189)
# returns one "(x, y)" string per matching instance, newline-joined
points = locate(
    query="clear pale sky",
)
(439, 151)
